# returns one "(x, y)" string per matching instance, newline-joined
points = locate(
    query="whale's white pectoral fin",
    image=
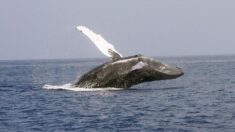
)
(104, 46)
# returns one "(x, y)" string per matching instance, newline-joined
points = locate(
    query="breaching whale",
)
(123, 72)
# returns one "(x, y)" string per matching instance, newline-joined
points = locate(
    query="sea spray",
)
(71, 87)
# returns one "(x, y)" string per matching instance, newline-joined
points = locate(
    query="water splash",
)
(71, 87)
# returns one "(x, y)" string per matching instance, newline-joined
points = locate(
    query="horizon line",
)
(90, 58)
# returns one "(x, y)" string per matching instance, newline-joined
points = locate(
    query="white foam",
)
(139, 65)
(70, 87)
(103, 45)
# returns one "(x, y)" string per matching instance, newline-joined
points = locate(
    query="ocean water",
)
(201, 100)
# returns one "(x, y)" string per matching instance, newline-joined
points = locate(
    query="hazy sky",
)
(45, 29)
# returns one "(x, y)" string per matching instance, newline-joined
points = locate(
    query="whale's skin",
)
(128, 71)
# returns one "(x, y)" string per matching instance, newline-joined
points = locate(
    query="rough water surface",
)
(201, 100)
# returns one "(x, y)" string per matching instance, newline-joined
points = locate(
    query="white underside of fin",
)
(103, 45)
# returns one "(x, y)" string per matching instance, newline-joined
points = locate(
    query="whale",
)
(128, 71)
(123, 72)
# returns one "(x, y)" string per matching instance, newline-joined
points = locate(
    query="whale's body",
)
(123, 72)
(126, 72)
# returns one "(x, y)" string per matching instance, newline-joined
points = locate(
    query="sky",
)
(45, 29)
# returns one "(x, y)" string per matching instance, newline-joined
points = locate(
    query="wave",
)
(71, 87)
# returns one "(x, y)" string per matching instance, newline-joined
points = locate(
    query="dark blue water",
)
(201, 100)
